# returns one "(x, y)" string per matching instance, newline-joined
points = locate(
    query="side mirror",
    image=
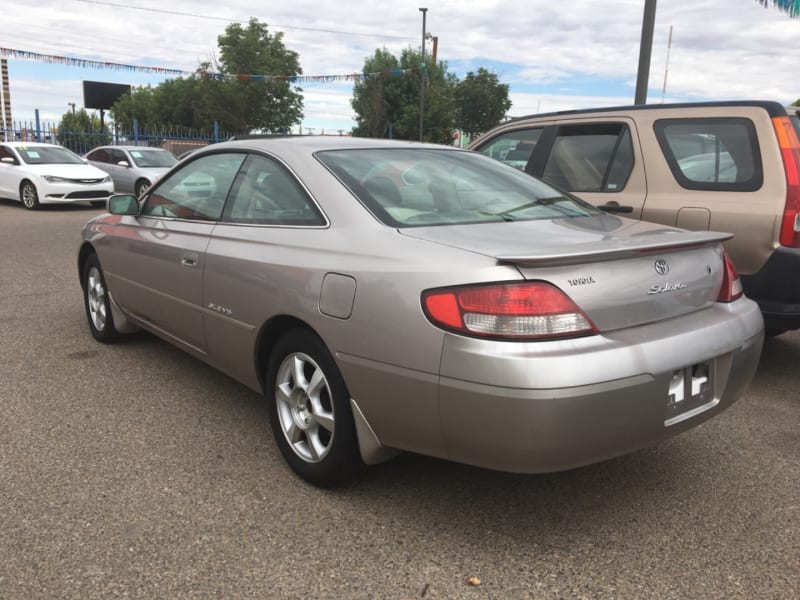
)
(123, 163)
(8, 160)
(123, 204)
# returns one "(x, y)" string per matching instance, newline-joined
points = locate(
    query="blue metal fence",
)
(176, 140)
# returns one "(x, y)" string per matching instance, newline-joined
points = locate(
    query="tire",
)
(140, 187)
(29, 196)
(309, 410)
(97, 302)
(772, 332)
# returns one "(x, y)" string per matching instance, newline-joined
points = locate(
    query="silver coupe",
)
(388, 296)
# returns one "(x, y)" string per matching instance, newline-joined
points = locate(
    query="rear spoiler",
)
(649, 242)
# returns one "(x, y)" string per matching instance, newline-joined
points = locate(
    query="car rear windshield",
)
(48, 155)
(411, 187)
(153, 158)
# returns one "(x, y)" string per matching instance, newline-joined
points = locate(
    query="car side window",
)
(711, 153)
(196, 191)
(98, 156)
(265, 193)
(513, 148)
(6, 153)
(118, 155)
(596, 157)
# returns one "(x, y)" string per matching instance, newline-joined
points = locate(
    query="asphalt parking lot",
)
(135, 471)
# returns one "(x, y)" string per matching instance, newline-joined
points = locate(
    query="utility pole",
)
(645, 50)
(423, 76)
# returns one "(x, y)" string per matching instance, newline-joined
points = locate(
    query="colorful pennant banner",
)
(312, 78)
(95, 64)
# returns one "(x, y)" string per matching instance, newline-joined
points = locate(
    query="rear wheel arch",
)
(270, 333)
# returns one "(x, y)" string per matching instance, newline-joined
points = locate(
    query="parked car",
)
(132, 168)
(37, 173)
(391, 296)
(728, 166)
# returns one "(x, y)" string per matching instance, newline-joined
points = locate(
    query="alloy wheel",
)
(305, 407)
(96, 299)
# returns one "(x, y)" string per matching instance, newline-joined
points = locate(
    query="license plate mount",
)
(691, 391)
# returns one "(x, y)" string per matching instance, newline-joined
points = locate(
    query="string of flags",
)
(96, 64)
(79, 62)
(313, 78)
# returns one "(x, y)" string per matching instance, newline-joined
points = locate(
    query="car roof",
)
(308, 144)
(775, 109)
(120, 147)
(23, 144)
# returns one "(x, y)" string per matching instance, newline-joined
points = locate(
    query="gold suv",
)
(726, 166)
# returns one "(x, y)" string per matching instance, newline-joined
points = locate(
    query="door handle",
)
(190, 259)
(615, 207)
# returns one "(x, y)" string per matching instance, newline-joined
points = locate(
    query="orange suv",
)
(727, 166)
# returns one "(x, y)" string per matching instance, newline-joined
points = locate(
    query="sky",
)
(554, 55)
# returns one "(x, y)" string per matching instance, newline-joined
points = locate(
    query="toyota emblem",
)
(662, 266)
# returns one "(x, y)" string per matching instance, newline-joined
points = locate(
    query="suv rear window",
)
(718, 154)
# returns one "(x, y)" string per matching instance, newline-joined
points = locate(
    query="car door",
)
(257, 257)
(154, 262)
(121, 174)
(597, 159)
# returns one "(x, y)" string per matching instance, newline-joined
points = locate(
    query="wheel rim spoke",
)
(322, 417)
(299, 374)
(315, 446)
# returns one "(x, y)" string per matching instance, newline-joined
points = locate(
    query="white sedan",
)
(36, 173)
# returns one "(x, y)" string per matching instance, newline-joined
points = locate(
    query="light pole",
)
(645, 50)
(72, 104)
(423, 76)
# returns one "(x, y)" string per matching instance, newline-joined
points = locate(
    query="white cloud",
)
(730, 49)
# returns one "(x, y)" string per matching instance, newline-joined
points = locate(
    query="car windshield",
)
(48, 155)
(408, 187)
(152, 158)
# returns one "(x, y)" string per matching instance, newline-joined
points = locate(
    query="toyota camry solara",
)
(388, 296)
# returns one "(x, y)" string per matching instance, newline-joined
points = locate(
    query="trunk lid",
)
(620, 272)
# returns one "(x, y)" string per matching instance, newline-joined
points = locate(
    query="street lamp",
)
(423, 76)
(72, 104)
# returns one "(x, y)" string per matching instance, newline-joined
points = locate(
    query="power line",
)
(213, 18)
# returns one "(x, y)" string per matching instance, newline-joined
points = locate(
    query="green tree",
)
(268, 105)
(483, 101)
(385, 99)
(196, 102)
(80, 131)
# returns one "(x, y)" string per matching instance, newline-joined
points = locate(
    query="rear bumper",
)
(776, 289)
(590, 399)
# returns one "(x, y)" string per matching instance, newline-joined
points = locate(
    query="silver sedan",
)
(132, 168)
(389, 296)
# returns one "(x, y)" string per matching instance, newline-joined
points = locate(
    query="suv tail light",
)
(731, 284)
(512, 311)
(790, 151)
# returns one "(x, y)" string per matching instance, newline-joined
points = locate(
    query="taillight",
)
(790, 151)
(731, 284)
(517, 311)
